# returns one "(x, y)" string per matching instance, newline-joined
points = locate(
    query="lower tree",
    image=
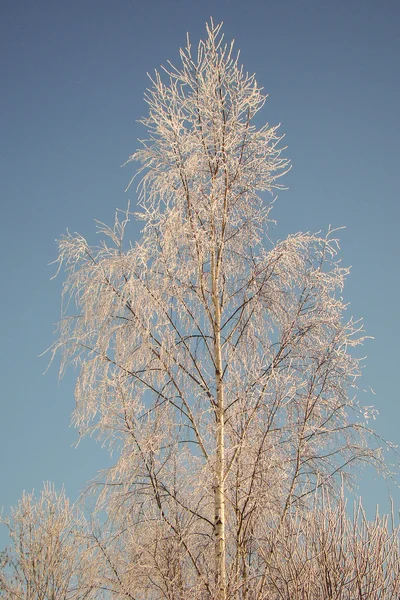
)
(320, 554)
(48, 556)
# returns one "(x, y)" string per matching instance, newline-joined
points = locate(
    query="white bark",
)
(219, 502)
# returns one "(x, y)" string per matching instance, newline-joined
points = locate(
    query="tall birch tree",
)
(217, 365)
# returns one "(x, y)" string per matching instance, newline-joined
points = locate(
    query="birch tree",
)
(219, 367)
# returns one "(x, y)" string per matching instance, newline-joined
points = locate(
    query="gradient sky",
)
(73, 76)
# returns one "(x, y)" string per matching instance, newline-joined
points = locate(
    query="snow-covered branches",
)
(205, 156)
(48, 556)
(219, 368)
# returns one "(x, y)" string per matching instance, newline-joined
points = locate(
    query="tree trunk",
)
(219, 495)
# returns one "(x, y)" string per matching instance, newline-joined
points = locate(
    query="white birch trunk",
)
(219, 499)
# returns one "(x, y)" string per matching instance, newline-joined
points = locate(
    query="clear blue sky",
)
(73, 76)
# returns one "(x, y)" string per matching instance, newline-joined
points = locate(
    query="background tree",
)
(218, 366)
(325, 554)
(47, 557)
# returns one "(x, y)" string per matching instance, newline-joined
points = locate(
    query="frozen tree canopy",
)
(219, 367)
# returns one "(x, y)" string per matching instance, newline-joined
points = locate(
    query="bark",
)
(219, 499)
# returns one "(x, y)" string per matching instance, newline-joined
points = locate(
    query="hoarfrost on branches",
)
(219, 368)
(48, 555)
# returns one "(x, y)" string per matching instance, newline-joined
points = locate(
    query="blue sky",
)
(73, 76)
